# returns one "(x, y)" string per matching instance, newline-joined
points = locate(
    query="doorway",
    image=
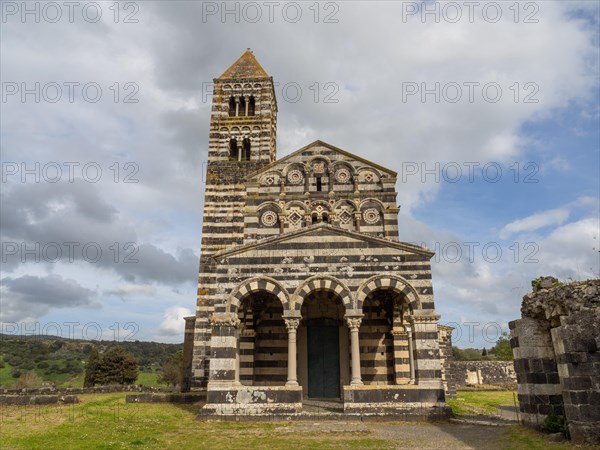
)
(323, 361)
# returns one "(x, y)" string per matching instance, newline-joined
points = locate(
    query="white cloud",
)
(171, 57)
(129, 290)
(556, 216)
(535, 221)
(173, 323)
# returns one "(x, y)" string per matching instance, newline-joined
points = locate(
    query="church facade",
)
(305, 291)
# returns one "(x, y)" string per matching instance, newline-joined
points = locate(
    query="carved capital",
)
(353, 322)
(292, 324)
(225, 320)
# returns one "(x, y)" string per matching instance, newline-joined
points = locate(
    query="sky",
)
(488, 111)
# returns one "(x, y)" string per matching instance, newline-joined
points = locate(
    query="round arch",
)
(395, 283)
(371, 200)
(321, 282)
(297, 203)
(253, 285)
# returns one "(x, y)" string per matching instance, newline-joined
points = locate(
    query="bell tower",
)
(242, 139)
(243, 123)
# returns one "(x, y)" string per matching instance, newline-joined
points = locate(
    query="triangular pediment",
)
(321, 231)
(319, 143)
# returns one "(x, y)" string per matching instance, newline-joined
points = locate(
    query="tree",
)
(502, 350)
(91, 369)
(466, 354)
(117, 367)
(171, 372)
(28, 380)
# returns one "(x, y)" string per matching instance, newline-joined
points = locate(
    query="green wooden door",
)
(323, 362)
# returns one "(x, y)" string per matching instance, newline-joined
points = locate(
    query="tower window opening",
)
(325, 218)
(246, 149)
(242, 111)
(251, 106)
(319, 184)
(314, 218)
(231, 106)
(233, 149)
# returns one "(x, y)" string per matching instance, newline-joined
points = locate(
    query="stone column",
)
(237, 106)
(247, 99)
(354, 325)
(357, 217)
(411, 357)
(292, 326)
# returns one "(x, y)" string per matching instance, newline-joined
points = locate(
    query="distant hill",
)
(62, 361)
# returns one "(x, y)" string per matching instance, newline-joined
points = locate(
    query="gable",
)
(322, 149)
(324, 238)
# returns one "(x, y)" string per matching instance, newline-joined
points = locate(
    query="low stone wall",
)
(52, 395)
(474, 373)
(90, 390)
(24, 399)
(557, 359)
(166, 398)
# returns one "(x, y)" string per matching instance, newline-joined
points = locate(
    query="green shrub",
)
(553, 423)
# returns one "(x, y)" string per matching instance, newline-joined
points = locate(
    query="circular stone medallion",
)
(295, 176)
(269, 218)
(371, 216)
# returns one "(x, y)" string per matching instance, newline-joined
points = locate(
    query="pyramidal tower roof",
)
(245, 67)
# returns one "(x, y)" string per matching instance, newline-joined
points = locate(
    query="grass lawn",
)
(5, 376)
(148, 379)
(469, 402)
(105, 421)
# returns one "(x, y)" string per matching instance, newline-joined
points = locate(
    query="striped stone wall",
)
(310, 237)
(376, 345)
(225, 193)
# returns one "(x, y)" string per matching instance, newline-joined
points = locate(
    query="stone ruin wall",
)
(476, 373)
(555, 345)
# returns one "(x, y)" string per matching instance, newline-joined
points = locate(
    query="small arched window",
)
(325, 218)
(233, 149)
(242, 110)
(251, 106)
(231, 106)
(246, 149)
(314, 218)
(319, 184)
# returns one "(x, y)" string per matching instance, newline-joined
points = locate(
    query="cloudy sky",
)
(489, 113)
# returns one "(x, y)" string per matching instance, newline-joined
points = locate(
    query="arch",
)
(369, 169)
(298, 203)
(233, 149)
(336, 165)
(393, 282)
(295, 165)
(242, 108)
(343, 202)
(267, 205)
(252, 285)
(373, 200)
(323, 157)
(326, 206)
(252, 106)
(324, 282)
(275, 174)
(231, 106)
(246, 149)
